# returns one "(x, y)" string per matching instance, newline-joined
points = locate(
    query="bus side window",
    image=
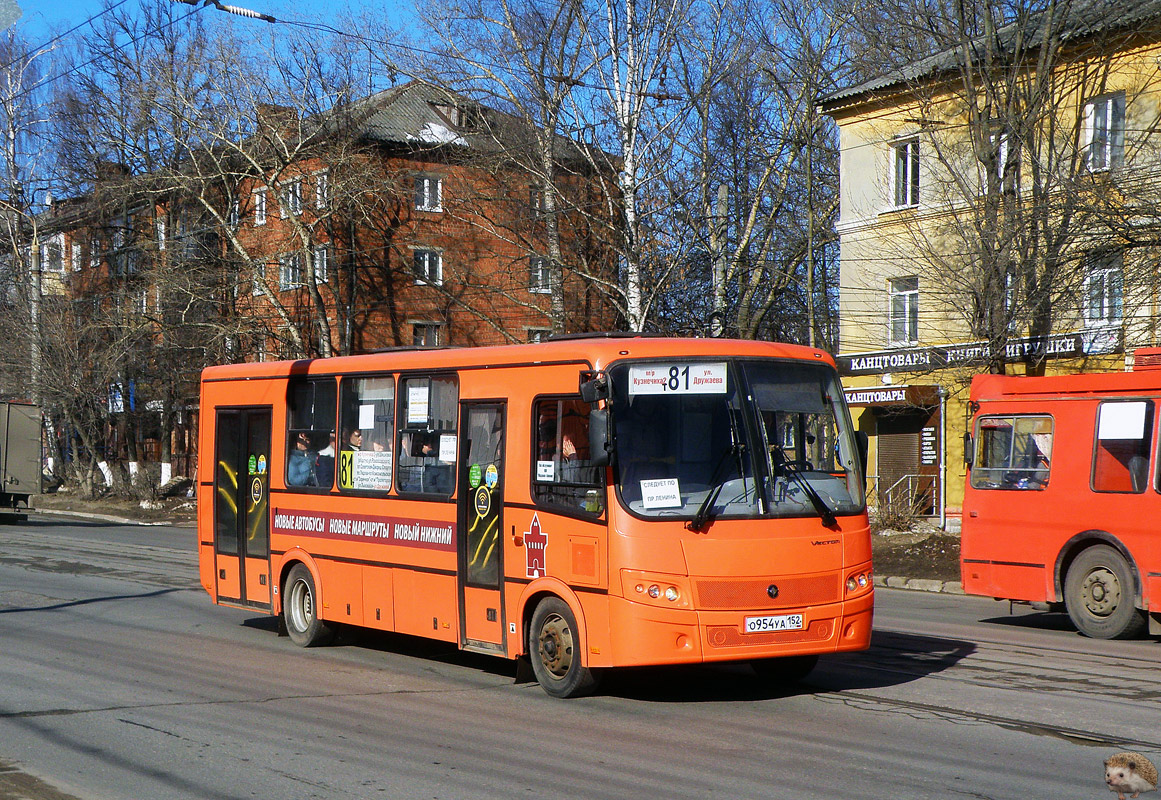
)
(310, 434)
(563, 474)
(426, 435)
(367, 425)
(1121, 453)
(1012, 453)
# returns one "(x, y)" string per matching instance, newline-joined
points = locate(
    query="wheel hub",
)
(556, 646)
(1101, 592)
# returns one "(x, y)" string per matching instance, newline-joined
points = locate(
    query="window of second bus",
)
(1012, 452)
(1121, 451)
(564, 474)
(367, 425)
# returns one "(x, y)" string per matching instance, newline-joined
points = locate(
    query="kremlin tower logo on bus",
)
(535, 544)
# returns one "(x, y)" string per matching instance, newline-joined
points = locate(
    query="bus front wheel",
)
(1098, 592)
(555, 649)
(300, 609)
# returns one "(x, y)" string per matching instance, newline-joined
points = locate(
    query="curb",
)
(918, 584)
(102, 517)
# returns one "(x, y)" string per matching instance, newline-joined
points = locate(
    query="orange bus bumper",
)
(644, 634)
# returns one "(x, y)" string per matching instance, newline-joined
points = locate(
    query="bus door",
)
(481, 502)
(241, 506)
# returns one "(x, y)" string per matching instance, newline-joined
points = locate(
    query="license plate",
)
(785, 622)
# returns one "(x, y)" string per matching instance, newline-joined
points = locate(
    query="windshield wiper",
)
(718, 480)
(824, 511)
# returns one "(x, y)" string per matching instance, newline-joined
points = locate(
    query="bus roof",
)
(995, 387)
(598, 350)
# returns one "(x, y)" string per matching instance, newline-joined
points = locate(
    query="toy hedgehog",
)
(1129, 772)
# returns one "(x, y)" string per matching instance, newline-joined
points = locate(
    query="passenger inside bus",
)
(324, 467)
(565, 472)
(300, 463)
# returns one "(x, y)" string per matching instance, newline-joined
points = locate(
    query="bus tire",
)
(555, 649)
(300, 610)
(1098, 592)
(787, 669)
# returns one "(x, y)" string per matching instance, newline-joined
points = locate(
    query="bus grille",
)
(731, 636)
(793, 592)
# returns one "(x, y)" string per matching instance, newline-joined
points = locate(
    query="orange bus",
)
(585, 503)
(1062, 497)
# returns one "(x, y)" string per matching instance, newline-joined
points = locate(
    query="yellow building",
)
(998, 213)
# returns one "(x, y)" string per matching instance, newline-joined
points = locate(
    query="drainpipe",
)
(942, 393)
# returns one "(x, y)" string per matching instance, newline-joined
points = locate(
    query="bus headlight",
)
(666, 591)
(857, 582)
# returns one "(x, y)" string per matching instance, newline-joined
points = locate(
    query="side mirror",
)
(863, 443)
(969, 449)
(594, 386)
(599, 444)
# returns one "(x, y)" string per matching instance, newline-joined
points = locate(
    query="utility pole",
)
(34, 314)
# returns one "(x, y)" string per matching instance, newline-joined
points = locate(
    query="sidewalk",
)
(117, 510)
(926, 560)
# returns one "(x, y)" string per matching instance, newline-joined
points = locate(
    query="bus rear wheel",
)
(300, 610)
(555, 646)
(1098, 592)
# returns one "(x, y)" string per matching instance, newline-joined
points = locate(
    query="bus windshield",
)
(733, 439)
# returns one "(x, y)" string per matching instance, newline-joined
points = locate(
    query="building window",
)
(540, 275)
(259, 273)
(76, 257)
(428, 193)
(1104, 132)
(160, 222)
(905, 177)
(322, 189)
(538, 335)
(94, 252)
(321, 259)
(290, 271)
(425, 334)
(903, 317)
(291, 199)
(52, 255)
(428, 267)
(260, 206)
(232, 213)
(1104, 290)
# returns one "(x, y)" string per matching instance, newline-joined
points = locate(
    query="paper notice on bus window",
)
(447, 448)
(366, 416)
(371, 470)
(1122, 420)
(678, 378)
(417, 404)
(545, 470)
(661, 493)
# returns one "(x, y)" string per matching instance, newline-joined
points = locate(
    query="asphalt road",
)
(119, 679)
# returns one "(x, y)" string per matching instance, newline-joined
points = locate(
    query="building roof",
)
(1084, 19)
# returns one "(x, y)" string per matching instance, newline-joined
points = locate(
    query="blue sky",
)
(41, 19)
